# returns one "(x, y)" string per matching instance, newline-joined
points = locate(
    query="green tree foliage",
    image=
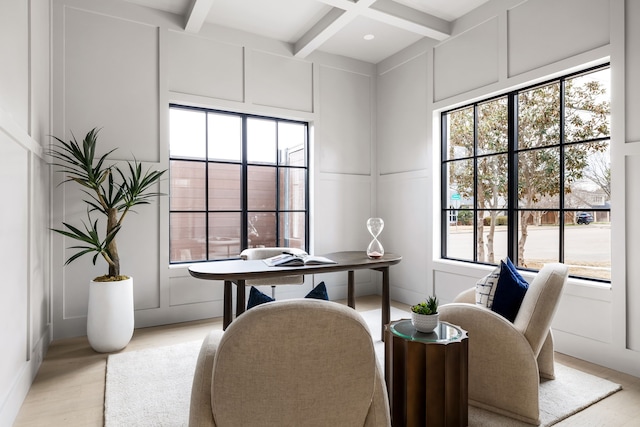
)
(491, 182)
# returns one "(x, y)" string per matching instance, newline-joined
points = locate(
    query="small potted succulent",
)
(424, 316)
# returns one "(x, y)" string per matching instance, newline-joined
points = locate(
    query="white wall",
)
(405, 175)
(118, 66)
(375, 151)
(498, 47)
(24, 185)
(627, 167)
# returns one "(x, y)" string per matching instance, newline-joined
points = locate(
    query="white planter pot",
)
(110, 318)
(424, 322)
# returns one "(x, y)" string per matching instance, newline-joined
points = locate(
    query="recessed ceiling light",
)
(369, 37)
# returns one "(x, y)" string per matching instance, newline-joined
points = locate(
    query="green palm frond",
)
(114, 193)
(91, 237)
(111, 191)
(137, 184)
(77, 162)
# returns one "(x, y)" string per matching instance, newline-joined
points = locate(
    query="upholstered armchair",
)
(301, 362)
(506, 360)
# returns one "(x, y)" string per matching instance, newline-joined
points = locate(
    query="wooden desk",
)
(239, 271)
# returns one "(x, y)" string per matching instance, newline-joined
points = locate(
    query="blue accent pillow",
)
(510, 291)
(256, 297)
(319, 292)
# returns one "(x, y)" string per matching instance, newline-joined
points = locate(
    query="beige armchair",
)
(262, 253)
(300, 362)
(506, 360)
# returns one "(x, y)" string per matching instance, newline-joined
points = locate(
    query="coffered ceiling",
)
(333, 26)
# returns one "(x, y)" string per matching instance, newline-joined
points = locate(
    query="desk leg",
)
(227, 305)
(240, 297)
(351, 298)
(386, 299)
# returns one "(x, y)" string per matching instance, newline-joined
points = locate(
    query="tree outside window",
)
(528, 168)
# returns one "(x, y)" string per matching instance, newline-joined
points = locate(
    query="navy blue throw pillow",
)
(319, 292)
(510, 291)
(256, 298)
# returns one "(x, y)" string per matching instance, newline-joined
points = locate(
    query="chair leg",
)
(273, 291)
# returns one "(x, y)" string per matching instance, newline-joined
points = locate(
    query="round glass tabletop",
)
(444, 332)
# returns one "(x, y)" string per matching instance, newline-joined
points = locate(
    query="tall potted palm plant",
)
(112, 192)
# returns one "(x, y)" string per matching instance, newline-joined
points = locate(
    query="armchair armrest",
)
(200, 413)
(468, 296)
(503, 372)
(379, 410)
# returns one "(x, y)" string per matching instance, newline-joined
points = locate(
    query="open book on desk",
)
(287, 259)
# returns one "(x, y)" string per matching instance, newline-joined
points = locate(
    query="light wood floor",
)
(69, 388)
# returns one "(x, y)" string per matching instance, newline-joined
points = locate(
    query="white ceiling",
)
(333, 26)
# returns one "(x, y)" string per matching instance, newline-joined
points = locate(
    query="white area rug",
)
(153, 387)
(150, 387)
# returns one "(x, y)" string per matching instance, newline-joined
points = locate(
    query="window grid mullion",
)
(244, 185)
(277, 212)
(306, 192)
(444, 193)
(206, 187)
(561, 230)
(476, 225)
(512, 178)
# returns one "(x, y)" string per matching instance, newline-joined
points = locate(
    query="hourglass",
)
(375, 249)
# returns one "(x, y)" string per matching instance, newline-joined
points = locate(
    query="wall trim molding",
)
(9, 127)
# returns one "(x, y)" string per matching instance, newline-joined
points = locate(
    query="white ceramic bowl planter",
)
(424, 322)
(110, 317)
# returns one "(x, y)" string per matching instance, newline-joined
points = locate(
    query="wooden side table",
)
(427, 375)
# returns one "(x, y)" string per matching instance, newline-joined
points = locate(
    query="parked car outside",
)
(584, 218)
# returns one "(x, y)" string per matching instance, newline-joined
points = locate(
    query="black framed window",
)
(236, 181)
(527, 175)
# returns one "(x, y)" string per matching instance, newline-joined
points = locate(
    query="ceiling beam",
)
(406, 18)
(197, 14)
(386, 11)
(340, 4)
(326, 27)
(338, 17)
